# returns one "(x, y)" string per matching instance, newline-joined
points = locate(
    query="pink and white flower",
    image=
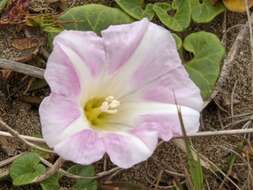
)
(114, 94)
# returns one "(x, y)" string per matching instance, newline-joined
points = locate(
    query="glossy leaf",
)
(26, 168)
(85, 171)
(93, 17)
(204, 67)
(204, 11)
(135, 8)
(180, 20)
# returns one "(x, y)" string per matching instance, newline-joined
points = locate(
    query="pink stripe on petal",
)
(61, 75)
(87, 45)
(121, 41)
(77, 58)
(175, 86)
(83, 148)
(56, 114)
(148, 65)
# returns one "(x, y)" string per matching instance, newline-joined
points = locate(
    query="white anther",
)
(109, 105)
(112, 111)
(104, 107)
(109, 98)
(114, 104)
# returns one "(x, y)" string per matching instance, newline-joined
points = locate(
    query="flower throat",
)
(97, 110)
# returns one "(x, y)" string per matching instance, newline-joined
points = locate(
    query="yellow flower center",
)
(98, 110)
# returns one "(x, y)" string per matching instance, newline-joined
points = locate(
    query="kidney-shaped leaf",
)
(51, 183)
(180, 20)
(85, 171)
(26, 168)
(204, 67)
(93, 17)
(204, 11)
(135, 8)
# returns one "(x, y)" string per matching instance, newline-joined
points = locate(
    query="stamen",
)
(109, 105)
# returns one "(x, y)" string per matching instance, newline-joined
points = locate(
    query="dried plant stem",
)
(14, 133)
(198, 134)
(9, 160)
(51, 171)
(29, 138)
(70, 175)
(22, 68)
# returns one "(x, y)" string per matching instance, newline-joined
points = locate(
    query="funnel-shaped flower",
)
(115, 94)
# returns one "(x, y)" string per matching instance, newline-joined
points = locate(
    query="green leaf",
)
(93, 17)
(180, 20)
(51, 183)
(204, 67)
(85, 171)
(26, 168)
(135, 8)
(194, 177)
(47, 23)
(178, 40)
(3, 4)
(204, 11)
(196, 172)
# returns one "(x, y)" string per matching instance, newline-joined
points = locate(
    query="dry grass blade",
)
(51, 171)
(70, 175)
(22, 68)
(14, 133)
(195, 174)
(251, 40)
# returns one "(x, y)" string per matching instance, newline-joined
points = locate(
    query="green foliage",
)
(93, 17)
(26, 168)
(204, 11)
(180, 20)
(3, 4)
(85, 171)
(195, 173)
(204, 67)
(52, 183)
(47, 23)
(135, 8)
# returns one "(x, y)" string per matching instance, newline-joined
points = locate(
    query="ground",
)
(232, 108)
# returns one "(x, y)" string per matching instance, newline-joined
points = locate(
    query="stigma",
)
(98, 110)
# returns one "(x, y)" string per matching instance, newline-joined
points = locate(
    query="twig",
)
(158, 179)
(9, 160)
(51, 171)
(29, 138)
(232, 101)
(14, 133)
(198, 134)
(22, 68)
(70, 175)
